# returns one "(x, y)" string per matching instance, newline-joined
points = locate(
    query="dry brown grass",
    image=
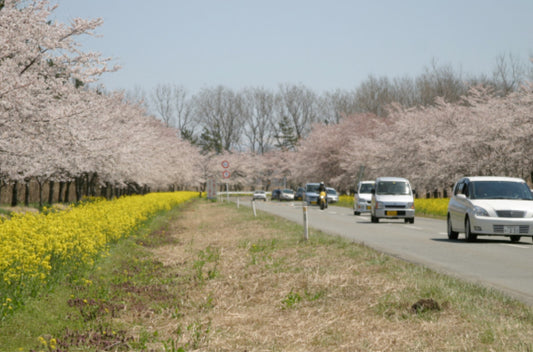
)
(252, 284)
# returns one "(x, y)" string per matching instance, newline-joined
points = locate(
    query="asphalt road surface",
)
(490, 261)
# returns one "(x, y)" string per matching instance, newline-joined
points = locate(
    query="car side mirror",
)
(461, 196)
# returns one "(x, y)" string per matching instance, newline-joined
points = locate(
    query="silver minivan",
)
(392, 198)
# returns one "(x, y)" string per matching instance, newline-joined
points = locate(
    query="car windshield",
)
(500, 190)
(288, 191)
(331, 191)
(366, 188)
(393, 188)
(312, 188)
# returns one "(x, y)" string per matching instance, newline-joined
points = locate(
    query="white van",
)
(362, 198)
(392, 198)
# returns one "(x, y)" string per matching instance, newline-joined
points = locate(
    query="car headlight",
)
(410, 205)
(379, 205)
(479, 211)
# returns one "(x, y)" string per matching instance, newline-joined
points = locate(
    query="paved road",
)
(491, 261)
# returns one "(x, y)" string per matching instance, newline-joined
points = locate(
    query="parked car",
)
(332, 195)
(276, 194)
(286, 194)
(300, 194)
(490, 206)
(392, 198)
(260, 195)
(362, 199)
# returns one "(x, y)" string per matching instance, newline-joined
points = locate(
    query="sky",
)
(322, 45)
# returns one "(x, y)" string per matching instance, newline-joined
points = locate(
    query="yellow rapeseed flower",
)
(35, 245)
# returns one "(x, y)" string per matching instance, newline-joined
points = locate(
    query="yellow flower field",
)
(36, 245)
(432, 206)
(427, 206)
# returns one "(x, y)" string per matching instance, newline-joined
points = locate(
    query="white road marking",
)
(414, 227)
(518, 246)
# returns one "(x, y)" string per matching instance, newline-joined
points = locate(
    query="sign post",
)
(226, 174)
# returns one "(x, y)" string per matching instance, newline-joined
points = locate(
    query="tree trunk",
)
(66, 199)
(40, 193)
(93, 184)
(78, 183)
(14, 195)
(51, 192)
(103, 190)
(27, 194)
(87, 184)
(60, 193)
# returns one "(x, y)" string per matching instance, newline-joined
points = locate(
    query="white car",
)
(362, 199)
(286, 194)
(332, 195)
(490, 206)
(260, 195)
(392, 198)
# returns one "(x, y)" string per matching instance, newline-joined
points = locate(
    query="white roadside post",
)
(238, 200)
(306, 223)
(225, 175)
(253, 207)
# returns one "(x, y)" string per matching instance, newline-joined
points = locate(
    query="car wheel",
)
(452, 235)
(469, 236)
(356, 213)
(515, 238)
(412, 220)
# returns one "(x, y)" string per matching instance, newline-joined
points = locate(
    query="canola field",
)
(38, 248)
(423, 206)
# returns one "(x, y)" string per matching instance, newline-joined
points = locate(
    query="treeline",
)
(66, 138)
(260, 120)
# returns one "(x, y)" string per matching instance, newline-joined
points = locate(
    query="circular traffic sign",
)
(225, 164)
(226, 174)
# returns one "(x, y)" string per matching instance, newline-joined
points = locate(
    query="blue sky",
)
(324, 45)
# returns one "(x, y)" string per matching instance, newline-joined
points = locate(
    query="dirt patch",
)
(20, 209)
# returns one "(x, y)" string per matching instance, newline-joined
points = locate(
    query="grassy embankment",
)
(212, 277)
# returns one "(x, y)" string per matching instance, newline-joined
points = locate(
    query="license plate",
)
(511, 229)
(392, 213)
(368, 207)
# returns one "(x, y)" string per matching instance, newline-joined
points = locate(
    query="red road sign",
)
(225, 164)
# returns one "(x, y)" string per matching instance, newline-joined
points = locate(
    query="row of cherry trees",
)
(484, 134)
(53, 128)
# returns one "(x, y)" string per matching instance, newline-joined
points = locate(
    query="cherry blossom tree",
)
(54, 127)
